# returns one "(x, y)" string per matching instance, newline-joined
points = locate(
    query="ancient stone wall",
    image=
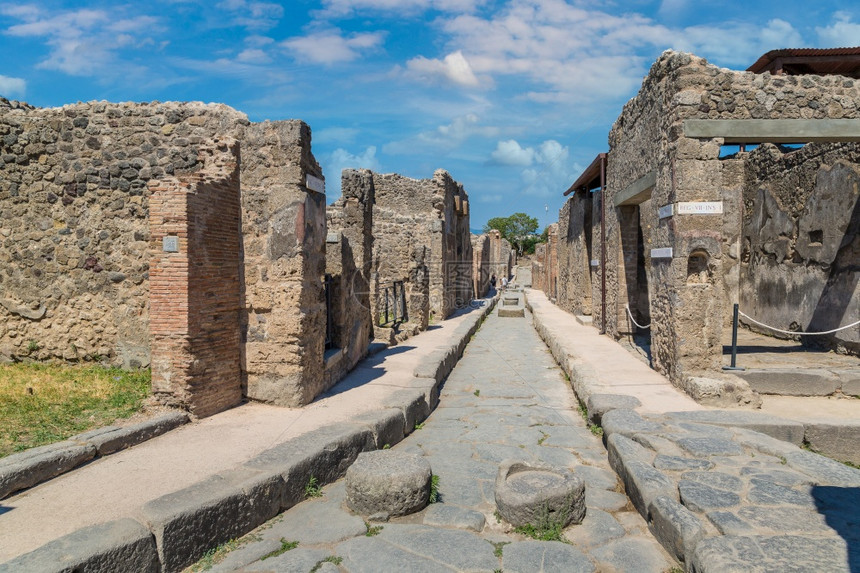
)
(349, 255)
(575, 253)
(78, 246)
(501, 258)
(480, 265)
(800, 256)
(539, 267)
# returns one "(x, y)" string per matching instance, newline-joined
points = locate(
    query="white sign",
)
(595, 263)
(665, 253)
(666, 210)
(315, 184)
(699, 208)
(170, 244)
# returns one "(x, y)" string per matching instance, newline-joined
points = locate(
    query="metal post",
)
(734, 341)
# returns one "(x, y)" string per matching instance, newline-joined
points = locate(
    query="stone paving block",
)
(763, 442)
(314, 522)
(417, 548)
(388, 481)
(27, 470)
(444, 515)
(715, 479)
(777, 476)
(675, 463)
(239, 558)
(704, 447)
(544, 557)
(129, 436)
(824, 470)
(189, 522)
(622, 450)
(599, 404)
(700, 497)
(727, 523)
(644, 484)
(121, 545)
(388, 426)
(294, 560)
(779, 428)
(791, 381)
(595, 477)
(324, 454)
(627, 423)
(511, 312)
(632, 555)
(676, 528)
(784, 519)
(598, 528)
(850, 382)
(659, 444)
(413, 404)
(605, 500)
(766, 492)
(765, 553)
(85, 436)
(838, 441)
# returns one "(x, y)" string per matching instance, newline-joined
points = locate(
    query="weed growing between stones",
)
(419, 425)
(497, 547)
(806, 446)
(434, 488)
(329, 559)
(217, 554)
(548, 527)
(313, 488)
(285, 546)
(498, 516)
(32, 347)
(386, 447)
(595, 429)
(543, 437)
(372, 529)
(477, 393)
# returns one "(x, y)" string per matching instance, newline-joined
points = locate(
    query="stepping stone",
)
(441, 515)
(511, 313)
(388, 482)
(531, 493)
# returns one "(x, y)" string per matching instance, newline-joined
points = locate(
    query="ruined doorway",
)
(634, 312)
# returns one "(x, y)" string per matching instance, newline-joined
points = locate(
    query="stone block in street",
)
(676, 527)
(28, 469)
(774, 426)
(701, 498)
(388, 425)
(632, 554)
(511, 312)
(598, 528)
(121, 545)
(626, 422)
(533, 493)
(705, 447)
(676, 463)
(824, 470)
(126, 437)
(599, 404)
(442, 515)
(529, 556)
(387, 481)
(791, 381)
(835, 440)
(773, 553)
(644, 484)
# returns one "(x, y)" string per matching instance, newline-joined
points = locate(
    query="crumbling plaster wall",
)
(687, 298)
(77, 246)
(801, 241)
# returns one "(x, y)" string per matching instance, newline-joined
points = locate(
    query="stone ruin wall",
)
(800, 254)
(78, 246)
(349, 257)
(502, 259)
(480, 265)
(686, 294)
(576, 226)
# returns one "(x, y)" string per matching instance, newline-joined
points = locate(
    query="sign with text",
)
(664, 253)
(315, 184)
(699, 208)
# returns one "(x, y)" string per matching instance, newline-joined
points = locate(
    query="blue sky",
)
(514, 98)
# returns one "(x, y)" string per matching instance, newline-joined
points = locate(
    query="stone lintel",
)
(774, 130)
(637, 192)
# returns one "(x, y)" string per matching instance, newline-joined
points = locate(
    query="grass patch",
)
(543, 437)
(497, 547)
(434, 489)
(313, 488)
(45, 403)
(548, 527)
(419, 425)
(372, 529)
(329, 559)
(477, 392)
(285, 546)
(217, 554)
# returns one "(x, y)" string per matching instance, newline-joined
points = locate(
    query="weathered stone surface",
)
(312, 523)
(28, 469)
(129, 436)
(784, 519)
(511, 312)
(413, 404)
(121, 545)
(388, 426)
(631, 555)
(838, 441)
(417, 548)
(626, 422)
(763, 443)
(623, 450)
(530, 492)
(598, 528)
(721, 391)
(774, 426)
(676, 528)
(763, 553)
(298, 559)
(605, 500)
(824, 470)
(675, 463)
(766, 492)
(701, 497)
(324, 454)
(441, 515)
(704, 447)
(599, 404)
(189, 522)
(791, 381)
(544, 557)
(728, 523)
(387, 481)
(644, 484)
(715, 479)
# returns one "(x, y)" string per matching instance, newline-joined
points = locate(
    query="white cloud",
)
(341, 159)
(841, 33)
(330, 47)
(490, 197)
(253, 56)
(11, 87)
(737, 43)
(336, 135)
(340, 8)
(454, 68)
(255, 15)
(511, 153)
(457, 131)
(552, 171)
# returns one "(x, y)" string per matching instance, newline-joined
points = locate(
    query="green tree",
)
(519, 230)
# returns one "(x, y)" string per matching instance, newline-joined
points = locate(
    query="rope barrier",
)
(796, 332)
(633, 320)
